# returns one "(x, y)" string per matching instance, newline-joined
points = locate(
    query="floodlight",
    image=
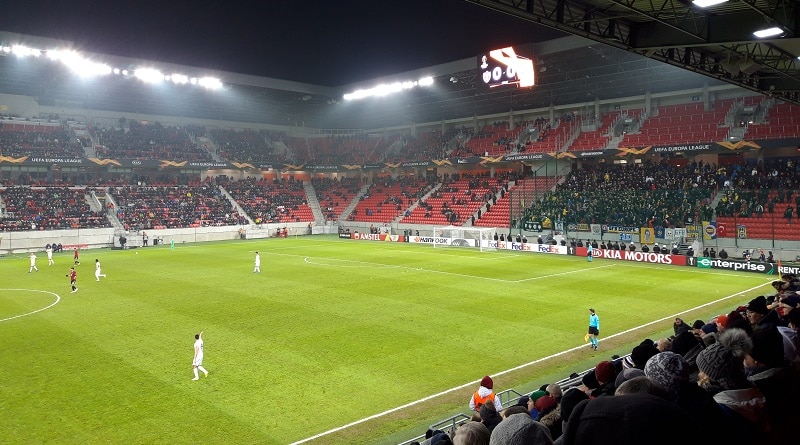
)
(180, 79)
(707, 3)
(426, 81)
(149, 75)
(211, 83)
(89, 68)
(772, 31)
(22, 51)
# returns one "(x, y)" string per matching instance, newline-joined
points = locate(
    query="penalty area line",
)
(507, 371)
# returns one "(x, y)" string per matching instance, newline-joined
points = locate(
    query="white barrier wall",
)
(35, 240)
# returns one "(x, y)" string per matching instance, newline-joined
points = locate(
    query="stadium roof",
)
(619, 49)
(717, 41)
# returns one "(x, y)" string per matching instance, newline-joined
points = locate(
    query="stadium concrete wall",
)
(35, 240)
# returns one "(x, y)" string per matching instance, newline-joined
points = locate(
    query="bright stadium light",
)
(23, 51)
(89, 68)
(82, 66)
(768, 32)
(707, 3)
(385, 89)
(211, 83)
(149, 75)
(180, 79)
(78, 64)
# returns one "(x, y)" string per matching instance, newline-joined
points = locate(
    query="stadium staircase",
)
(111, 214)
(210, 147)
(235, 204)
(313, 202)
(356, 199)
(416, 203)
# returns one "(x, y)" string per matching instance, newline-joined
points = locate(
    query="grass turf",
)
(330, 333)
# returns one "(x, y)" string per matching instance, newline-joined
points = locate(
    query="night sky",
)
(322, 42)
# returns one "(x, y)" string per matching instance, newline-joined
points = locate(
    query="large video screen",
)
(510, 66)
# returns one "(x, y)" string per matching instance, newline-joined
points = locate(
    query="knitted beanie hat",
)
(487, 382)
(758, 305)
(626, 375)
(569, 400)
(520, 429)
(667, 369)
(604, 372)
(768, 348)
(536, 394)
(723, 359)
(545, 403)
(643, 352)
(590, 381)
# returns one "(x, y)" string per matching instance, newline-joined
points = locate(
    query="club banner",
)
(597, 229)
(646, 235)
(709, 230)
(741, 231)
(692, 232)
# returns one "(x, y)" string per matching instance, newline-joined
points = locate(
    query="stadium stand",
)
(636, 195)
(681, 124)
(254, 147)
(144, 207)
(270, 201)
(51, 208)
(43, 138)
(387, 198)
(143, 140)
(455, 201)
(335, 195)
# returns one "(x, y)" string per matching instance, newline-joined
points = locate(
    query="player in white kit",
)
(33, 264)
(49, 251)
(258, 264)
(97, 272)
(197, 363)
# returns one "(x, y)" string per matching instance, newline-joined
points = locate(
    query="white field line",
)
(507, 371)
(58, 298)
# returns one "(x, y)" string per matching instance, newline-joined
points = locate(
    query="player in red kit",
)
(75, 256)
(73, 278)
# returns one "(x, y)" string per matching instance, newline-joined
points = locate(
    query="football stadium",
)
(560, 241)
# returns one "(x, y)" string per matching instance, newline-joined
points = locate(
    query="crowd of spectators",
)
(425, 145)
(734, 378)
(254, 147)
(387, 198)
(146, 207)
(334, 195)
(146, 141)
(752, 190)
(648, 194)
(18, 139)
(50, 208)
(268, 201)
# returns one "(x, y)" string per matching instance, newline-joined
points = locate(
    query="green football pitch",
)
(335, 341)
